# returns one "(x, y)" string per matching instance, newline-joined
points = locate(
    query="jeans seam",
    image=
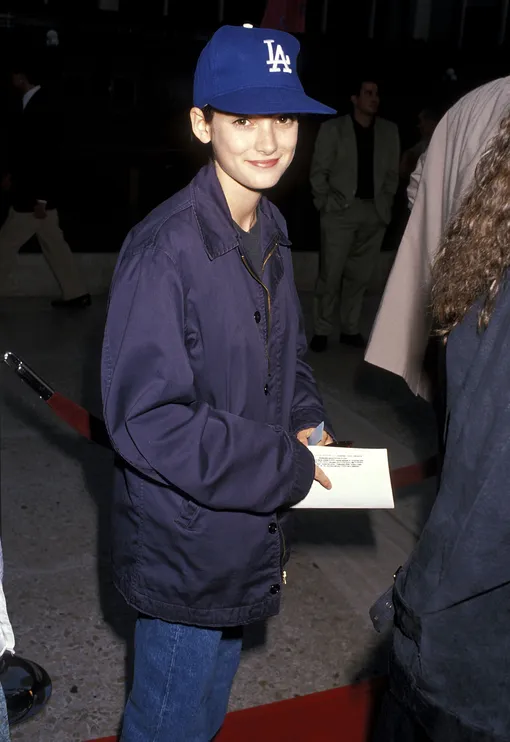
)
(178, 629)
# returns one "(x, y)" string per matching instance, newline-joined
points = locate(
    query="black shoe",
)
(79, 302)
(319, 343)
(355, 341)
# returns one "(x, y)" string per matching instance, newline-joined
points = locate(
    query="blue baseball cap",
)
(252, 71)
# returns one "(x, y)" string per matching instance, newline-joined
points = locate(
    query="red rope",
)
(94, 429)
(414, 473)
(71, 413)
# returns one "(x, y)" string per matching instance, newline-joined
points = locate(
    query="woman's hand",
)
(326, 440)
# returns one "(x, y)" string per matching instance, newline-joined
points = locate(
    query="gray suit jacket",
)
(334, 173)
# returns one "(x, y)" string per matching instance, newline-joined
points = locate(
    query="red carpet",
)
(338, 715)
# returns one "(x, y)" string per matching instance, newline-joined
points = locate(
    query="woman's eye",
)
(241, 122)
(286, 120)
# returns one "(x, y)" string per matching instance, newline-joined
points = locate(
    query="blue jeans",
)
(182, 682)
(4, 722)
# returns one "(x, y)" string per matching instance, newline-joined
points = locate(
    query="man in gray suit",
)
(354, 177)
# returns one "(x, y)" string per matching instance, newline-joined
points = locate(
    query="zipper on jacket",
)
(259, 281)
(270, 253)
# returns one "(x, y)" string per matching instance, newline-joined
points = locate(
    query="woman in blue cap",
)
(207, 399)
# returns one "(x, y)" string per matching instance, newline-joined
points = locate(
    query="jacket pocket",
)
(188, 514)
(335, 202)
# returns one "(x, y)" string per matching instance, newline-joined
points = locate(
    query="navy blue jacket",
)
(204, 390)
(451, 647)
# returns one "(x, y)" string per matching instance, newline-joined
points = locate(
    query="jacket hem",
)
(202, 617)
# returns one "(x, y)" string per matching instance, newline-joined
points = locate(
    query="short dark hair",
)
(358, 82)
(208, 112)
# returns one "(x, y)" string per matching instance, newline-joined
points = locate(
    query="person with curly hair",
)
(450, 654)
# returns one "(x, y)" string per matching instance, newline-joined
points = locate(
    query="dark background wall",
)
(124, 83)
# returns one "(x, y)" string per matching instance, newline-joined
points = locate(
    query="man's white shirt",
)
(28, 96)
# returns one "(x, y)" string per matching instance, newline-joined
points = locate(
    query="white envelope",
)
(360, 479)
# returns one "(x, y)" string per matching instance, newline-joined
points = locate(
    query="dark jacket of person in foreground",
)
(453, 600)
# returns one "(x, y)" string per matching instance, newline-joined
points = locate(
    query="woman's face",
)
(253, 151)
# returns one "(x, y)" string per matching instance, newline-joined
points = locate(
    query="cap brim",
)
(267, 101)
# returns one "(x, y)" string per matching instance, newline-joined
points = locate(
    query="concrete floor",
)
(55, 489)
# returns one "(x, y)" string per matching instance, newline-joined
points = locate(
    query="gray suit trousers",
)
(350, 243)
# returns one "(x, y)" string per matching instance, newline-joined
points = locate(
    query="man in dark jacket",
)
(33, 180)
(207, 399)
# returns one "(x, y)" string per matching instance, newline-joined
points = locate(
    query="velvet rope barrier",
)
(94, 429)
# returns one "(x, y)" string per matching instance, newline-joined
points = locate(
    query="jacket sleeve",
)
(414, 182)
(322, 163)
(307, 406)
(40, 152)
(42, 189)
(157, 424)
(41, 147)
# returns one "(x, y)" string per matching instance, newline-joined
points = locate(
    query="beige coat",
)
(334, 171)
(402, 328)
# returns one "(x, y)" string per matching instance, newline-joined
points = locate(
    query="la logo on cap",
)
(278, 59)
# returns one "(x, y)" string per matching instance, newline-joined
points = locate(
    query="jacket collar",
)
(214, 219)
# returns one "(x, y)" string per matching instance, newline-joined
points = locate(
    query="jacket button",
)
(273, 527)
(275, 589)
(257, 316)
(266, 390)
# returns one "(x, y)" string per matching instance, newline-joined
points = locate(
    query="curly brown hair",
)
(475, 251)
